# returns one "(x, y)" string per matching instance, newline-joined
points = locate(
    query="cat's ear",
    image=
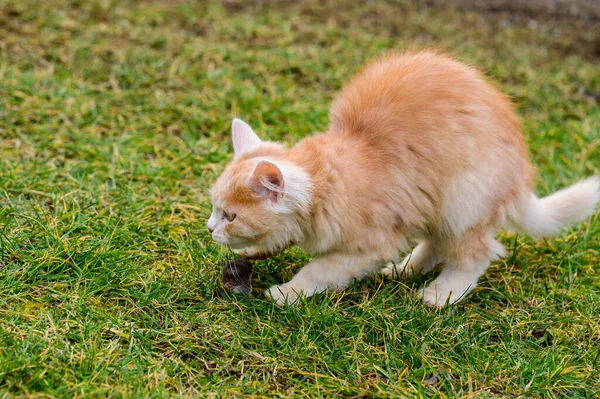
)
(244, 138)
(267, 180)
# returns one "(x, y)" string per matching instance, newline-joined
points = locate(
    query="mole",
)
(237, 276)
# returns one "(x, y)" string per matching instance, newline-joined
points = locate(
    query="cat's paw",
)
(439, 295)
(282, 294)
(436, 296)
(396, 271)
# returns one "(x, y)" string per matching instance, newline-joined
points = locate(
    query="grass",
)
(114, 121)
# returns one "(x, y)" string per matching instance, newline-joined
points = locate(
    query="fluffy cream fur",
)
(420, 147)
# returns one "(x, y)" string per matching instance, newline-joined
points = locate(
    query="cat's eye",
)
(229, 216)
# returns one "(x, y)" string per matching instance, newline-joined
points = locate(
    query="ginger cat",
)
(420, 147)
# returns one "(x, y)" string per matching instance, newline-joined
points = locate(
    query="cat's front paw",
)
(282, 294)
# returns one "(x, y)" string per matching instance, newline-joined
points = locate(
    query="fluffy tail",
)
(549, 215)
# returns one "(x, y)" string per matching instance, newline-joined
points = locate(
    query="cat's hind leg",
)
(423, 258)
(466, 258)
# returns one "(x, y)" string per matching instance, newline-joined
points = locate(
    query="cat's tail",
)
(547, 216)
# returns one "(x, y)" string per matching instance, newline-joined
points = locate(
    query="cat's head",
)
(258, 198)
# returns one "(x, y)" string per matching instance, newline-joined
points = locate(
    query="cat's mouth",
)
(233, 242)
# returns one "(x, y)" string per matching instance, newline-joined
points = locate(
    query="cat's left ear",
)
(267, 180)
(244, 138)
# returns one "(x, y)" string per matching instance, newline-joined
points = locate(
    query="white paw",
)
(440, 295)
(282, 294)
(395, 271)
(434, 295)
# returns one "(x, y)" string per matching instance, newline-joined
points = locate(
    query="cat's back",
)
(420, 93)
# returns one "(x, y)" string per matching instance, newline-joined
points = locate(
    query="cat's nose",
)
(209, 229)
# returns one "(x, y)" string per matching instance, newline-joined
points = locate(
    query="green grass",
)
(114, 122)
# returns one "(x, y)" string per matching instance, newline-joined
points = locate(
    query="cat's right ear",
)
(244, 138)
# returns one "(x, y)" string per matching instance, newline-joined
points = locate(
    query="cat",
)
(420, 147)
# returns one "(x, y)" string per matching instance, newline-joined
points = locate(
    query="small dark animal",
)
(237, 276)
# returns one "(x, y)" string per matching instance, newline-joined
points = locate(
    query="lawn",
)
(114, 122)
